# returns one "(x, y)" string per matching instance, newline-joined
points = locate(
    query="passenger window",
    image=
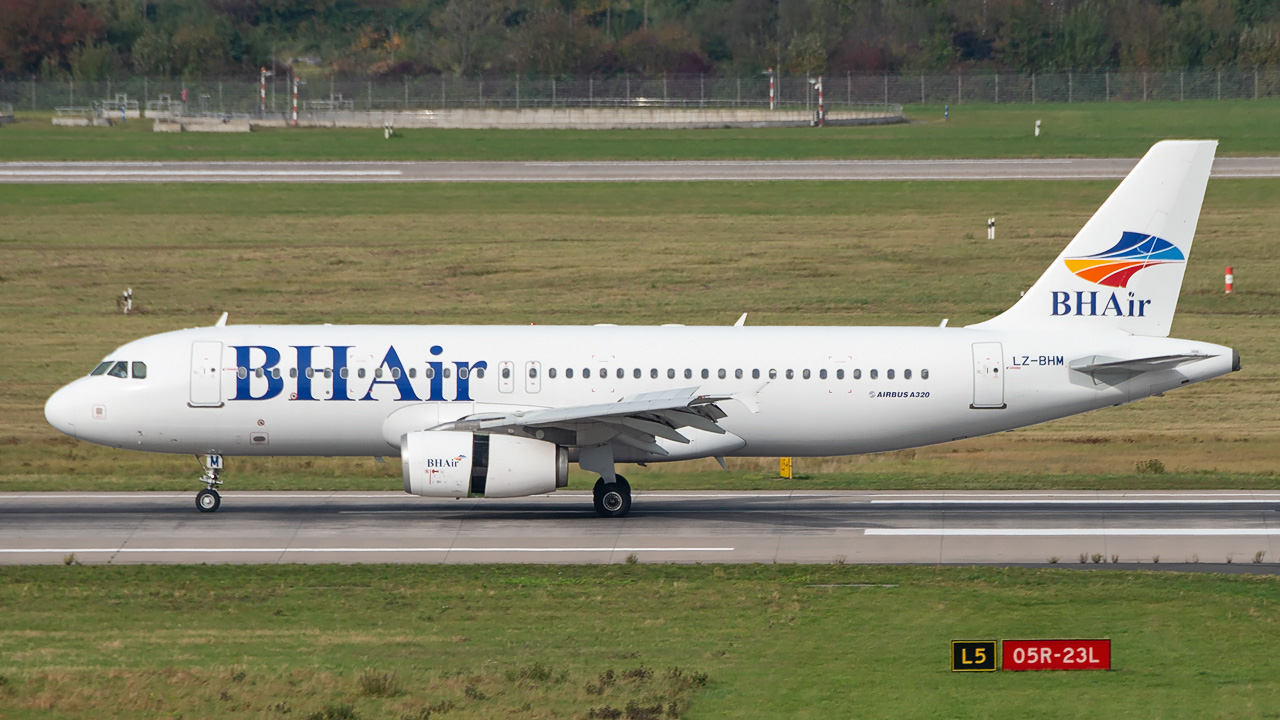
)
(343, 373)
(413, 373)
(121, 370)
(377, 373)
(429, 373)
(140, 370)
(906, 374)
(275, 373)
(328, 373)
(688, 374)
(653, 373)
(360, 373)
(395, 373)
(705, 373)
(533, 372)
(480, 373)
(464, 372)
(242, 373)
(586, 373)
(256, 373)
(102, 368)
(822, 374)
(671, 373)
(568, 373)
(791, 374)
(875, 374)
(857, 374)
(293, 372)
(924, 374)
(737, 374)
(447, 372)
(889, 374)
(773, 374)
(755, 374)
(840, 374)
(506, 373)
(551, 373)
(636, 374)
(805, 374)
(721, 374)
(621, 373)
(603, 373)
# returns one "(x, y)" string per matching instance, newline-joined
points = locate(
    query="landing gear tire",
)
(207, 501)
(612, 499)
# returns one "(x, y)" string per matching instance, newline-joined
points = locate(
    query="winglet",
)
(741, 321)
(222, 321)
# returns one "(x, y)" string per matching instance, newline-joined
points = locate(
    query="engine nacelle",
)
(447, 463)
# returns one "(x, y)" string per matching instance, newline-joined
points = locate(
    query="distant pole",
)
(1230, 279)
(262, 92)
(295, 101)
(772, 102)
(822, 113)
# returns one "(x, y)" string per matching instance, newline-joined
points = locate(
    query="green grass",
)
(788, 253)
(974, 131)
(559, 642)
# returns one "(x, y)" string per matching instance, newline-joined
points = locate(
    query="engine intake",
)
(447, 463)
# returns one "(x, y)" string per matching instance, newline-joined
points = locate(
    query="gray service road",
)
(664, 526)
(603, 171)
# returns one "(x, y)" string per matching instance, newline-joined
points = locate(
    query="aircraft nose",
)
(60, 409)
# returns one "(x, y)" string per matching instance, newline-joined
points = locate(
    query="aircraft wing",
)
(636, 420)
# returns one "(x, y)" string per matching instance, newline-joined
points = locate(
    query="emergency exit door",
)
(988, 376)
(206, 374)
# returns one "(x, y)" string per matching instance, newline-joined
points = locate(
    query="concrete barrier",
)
(201, 124)
(583, 118)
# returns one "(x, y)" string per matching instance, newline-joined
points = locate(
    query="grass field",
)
(974, 131)
(787, 253)
(641, 641)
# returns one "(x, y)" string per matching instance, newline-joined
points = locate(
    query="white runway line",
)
(1071, 532)
(18, 551)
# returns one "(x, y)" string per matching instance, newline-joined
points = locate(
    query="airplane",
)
(501, 411)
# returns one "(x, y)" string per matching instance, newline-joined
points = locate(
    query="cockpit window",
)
(140, 370)
(102, 368)
(120, 370)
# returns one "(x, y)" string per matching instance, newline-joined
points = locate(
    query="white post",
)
(295, 101)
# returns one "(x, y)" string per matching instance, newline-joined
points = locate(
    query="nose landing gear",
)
(208, 500)
(612, 499)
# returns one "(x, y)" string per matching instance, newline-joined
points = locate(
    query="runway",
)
(605, 171)
(1152, 530)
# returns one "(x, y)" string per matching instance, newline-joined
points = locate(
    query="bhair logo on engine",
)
(445, 462)
(1115, 267)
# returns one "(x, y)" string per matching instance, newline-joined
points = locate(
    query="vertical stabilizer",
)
(1123, 271)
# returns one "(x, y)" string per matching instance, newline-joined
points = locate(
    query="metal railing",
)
(241, 95)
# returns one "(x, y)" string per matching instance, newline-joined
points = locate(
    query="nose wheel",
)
(208, 500)
(612, 499)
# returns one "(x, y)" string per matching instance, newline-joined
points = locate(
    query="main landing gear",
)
(612, 499)
(208, 500)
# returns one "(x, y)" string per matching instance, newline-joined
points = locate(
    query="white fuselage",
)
(796, 391)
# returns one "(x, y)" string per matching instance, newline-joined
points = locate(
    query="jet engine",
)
(446, 463)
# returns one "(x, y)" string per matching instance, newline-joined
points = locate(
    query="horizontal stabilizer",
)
(1096, 365)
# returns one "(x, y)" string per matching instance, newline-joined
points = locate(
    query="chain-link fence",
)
(244, 96)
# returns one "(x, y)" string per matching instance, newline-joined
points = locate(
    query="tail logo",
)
(1134, 252)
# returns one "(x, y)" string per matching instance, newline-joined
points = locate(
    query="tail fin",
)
(1124, 268)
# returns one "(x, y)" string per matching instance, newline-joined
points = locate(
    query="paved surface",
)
(1058, 169)
(683, 527)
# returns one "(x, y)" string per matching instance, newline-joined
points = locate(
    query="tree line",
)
(95, 39)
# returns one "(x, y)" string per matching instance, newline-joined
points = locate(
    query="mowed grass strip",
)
(700, 253)
(973, 131)
(577, 642)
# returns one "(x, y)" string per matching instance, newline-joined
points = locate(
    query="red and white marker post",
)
(1230, 279)
(822, 111)
(295, 101)
(772, 105)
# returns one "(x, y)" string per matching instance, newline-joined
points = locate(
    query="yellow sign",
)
(973, 655)
(784, 467)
